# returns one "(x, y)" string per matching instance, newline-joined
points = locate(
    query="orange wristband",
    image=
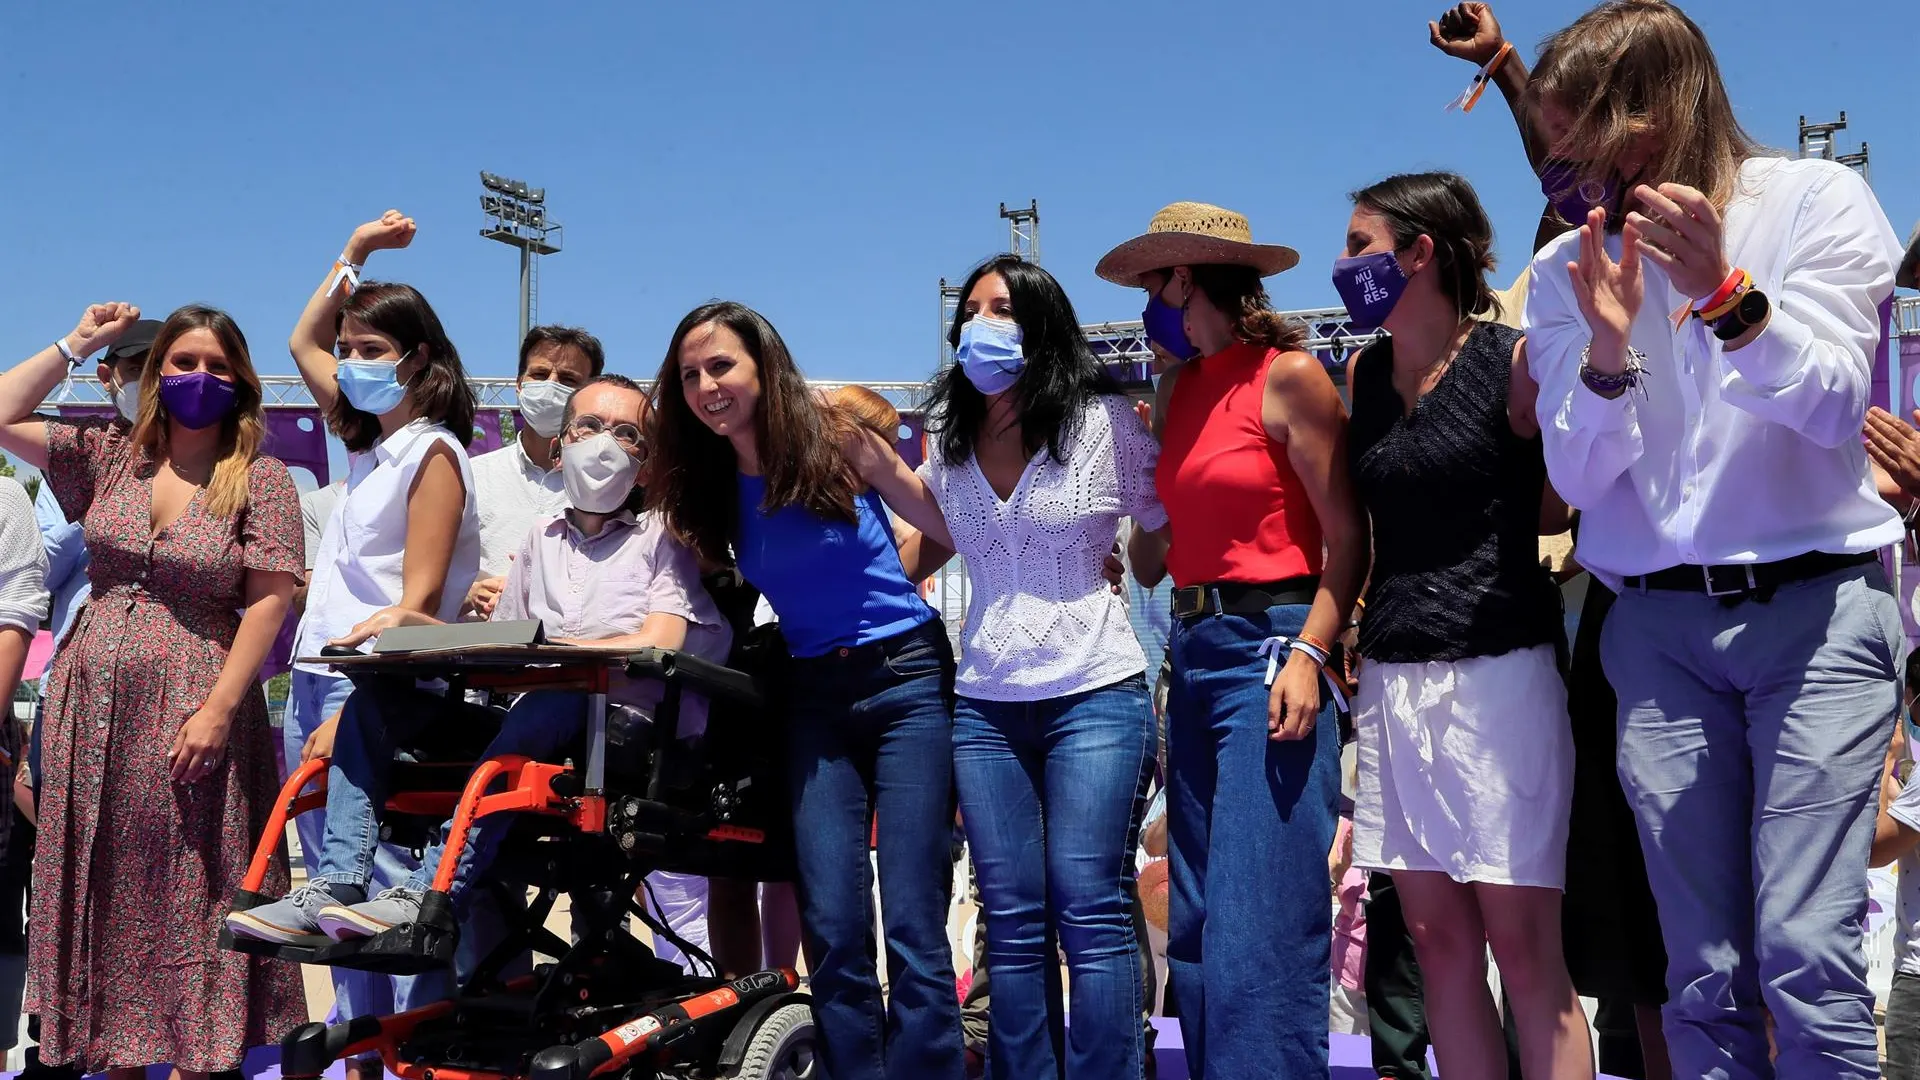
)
(1723, 295)
(1303, 636)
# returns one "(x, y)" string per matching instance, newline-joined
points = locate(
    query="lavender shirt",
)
(591, 587)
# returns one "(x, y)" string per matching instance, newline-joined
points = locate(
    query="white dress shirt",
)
(363, 550)
(1729, 457)
(513, 495)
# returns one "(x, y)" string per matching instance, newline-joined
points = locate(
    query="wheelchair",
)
(629, 802)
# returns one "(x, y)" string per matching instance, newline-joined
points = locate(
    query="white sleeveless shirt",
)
(363, 549)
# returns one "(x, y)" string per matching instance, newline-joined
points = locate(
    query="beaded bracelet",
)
(1611, 385)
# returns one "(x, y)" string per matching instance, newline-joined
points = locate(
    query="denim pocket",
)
(915, 660)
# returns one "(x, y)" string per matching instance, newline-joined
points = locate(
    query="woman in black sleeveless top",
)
(1465, 754)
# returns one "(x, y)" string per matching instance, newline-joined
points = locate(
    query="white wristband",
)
(72, 360)
(344, 273)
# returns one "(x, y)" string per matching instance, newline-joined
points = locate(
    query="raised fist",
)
(1467, 31)
(393, 230)
(100, 327)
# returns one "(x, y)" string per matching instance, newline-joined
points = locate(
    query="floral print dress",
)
(134, 871)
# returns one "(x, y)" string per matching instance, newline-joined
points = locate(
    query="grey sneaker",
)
(394, 907)
(292, 921)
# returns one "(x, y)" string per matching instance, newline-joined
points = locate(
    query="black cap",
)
(138, 339)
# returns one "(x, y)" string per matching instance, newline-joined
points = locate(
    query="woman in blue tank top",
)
(747, 467)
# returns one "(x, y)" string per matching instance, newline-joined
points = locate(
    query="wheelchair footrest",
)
(413, 949)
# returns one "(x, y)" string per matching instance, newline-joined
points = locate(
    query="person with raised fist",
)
(404, 534)
(157, 765)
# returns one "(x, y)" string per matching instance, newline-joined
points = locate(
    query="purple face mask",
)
(1166, 327)
(1369, 285)
(196, 399)
(1573, 197)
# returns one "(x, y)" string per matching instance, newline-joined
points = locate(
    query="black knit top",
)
(1454, 496)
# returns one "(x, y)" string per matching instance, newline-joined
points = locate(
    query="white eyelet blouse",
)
(1041, 620)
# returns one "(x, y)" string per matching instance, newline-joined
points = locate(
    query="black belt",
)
(1238, 598)
(1753, 579)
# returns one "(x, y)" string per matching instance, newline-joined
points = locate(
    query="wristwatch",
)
(1750, 311)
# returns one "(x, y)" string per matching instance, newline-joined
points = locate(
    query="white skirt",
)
(1466, 769)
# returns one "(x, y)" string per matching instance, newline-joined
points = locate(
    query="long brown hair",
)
(1241, 296)
(439, 388)
(693, 478)
(1633, 68)
(243, 431)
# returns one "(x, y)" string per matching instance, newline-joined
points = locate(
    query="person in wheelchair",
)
(598, 574)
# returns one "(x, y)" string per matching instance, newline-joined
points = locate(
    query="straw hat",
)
(1193, 234)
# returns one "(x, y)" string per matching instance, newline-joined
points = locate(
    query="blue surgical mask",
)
(1166, 327)
(989, 354)
(1370, 286)
(372, 386)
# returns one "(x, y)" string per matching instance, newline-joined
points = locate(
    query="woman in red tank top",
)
(1268, 552)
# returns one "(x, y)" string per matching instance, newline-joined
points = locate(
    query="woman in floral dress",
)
(158, 769)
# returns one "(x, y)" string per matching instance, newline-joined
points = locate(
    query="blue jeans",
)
(539, 726)
(872, 739)
(1250, 822)
(311, 701)
(1751, 742)
(1050, 791)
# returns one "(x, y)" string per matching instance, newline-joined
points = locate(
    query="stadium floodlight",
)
(517, 217)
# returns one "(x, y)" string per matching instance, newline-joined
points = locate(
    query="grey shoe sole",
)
(245, 924)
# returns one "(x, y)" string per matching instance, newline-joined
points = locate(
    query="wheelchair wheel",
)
(782, 1047)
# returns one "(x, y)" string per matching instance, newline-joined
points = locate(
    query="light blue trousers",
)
(1751, 743)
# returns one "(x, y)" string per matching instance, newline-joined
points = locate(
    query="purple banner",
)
(298, 437)
(1881, 393)
(913, 448)
(487, 431)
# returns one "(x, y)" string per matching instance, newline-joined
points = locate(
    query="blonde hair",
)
(1634, 68)
(867, 408)
(243, 431)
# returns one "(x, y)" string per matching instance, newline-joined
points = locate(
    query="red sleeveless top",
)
(1237, 510)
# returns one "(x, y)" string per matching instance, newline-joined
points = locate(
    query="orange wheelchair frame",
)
(606, 1006)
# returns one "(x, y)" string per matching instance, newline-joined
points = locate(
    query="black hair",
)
(1061, 376)
(1440, 205)
(1913, 671)
(563, 337)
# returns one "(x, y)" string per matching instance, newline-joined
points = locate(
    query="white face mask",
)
(598, 474)
(126, 398)
(543, 405)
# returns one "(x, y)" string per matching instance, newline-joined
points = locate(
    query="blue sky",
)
(826, 163)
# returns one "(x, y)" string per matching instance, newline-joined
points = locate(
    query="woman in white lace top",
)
(1034, 456)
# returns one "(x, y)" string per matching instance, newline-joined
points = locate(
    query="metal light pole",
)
(517, 217)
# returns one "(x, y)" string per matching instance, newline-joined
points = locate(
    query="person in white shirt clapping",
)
(1703, 345)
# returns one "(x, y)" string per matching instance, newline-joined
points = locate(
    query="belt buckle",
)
(1187, 602)
(1706, 573)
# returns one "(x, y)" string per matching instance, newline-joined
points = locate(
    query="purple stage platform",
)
(1350, 1058)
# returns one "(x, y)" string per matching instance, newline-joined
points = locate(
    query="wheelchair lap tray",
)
(408, 639)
